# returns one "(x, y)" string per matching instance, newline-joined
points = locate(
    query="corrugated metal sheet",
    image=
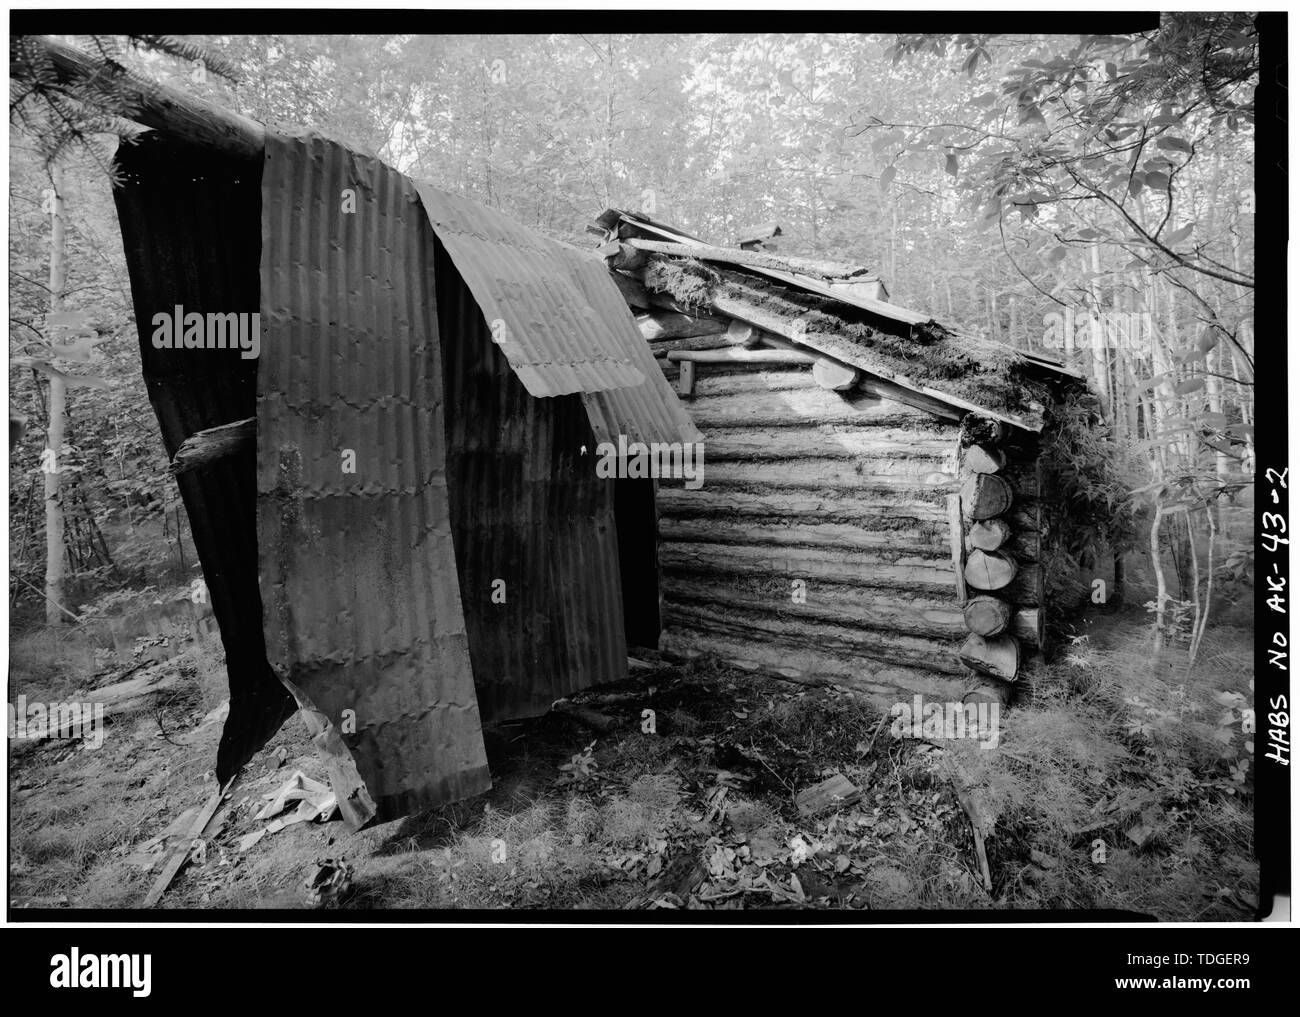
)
(532, 523)
(566, 328)
(559, 336)
(191, 231)
(363, 609)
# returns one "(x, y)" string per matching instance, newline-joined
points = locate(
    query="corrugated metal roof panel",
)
(191, 231)
(531, 519)
(363, 609)
(566, 328)
(559, 335)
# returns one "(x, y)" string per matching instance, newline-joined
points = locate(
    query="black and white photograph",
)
(647, 467)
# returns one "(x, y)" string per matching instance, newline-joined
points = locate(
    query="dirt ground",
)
(1114, 784)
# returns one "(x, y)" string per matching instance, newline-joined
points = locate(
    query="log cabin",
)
(870, 513)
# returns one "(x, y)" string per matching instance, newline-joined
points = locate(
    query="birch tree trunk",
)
(52, 464)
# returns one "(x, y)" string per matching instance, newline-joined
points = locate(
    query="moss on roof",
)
(973, 368)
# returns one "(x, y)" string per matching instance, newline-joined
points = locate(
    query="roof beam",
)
(757, 259)
(157, 106)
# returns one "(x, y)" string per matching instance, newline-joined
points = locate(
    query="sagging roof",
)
(758, 303)
(792, 272)
(562, 324)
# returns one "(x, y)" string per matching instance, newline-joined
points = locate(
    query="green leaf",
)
(1031, 115)
(1135, 186)
(1157, 181)
(1178, 236)
(1173, 144)
(1190, 386)
(887, 177)
(950, 164)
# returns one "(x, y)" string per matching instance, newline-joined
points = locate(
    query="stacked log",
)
(999, 583)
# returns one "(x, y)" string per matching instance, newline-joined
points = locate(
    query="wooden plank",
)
(957, 548)
(740, 355)
(181, 853)
(835, 792)
(685, 378)
(756, 259)
(662, 347)
(213, 445)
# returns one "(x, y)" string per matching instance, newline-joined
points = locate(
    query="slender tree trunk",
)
(53, 463)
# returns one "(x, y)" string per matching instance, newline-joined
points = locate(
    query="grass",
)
(1103, 748)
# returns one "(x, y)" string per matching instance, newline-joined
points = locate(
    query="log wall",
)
(820, 545)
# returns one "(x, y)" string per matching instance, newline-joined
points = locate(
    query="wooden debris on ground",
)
(598, 722)
(832, 793)
(981, 855)
(181, 853)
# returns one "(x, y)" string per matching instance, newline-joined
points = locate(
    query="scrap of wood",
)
(598, 722)
(685, 378)
(681, 878)
(741, 355)
(138, 693)
(213, 445)
(758, 259)
(181, 853)
(958, 546)
(981, 856)
(834, 792)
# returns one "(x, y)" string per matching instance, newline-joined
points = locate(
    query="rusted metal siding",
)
(191, 231)
(846, 495)
(528, 511)
(561, 323)
(363, 609)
